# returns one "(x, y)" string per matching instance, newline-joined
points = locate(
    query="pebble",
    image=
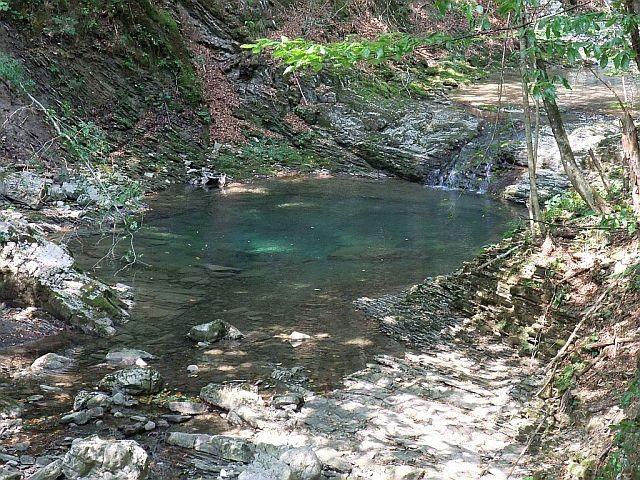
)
(193, 369)
(35, 398)
(138, 418)
(27, 460)
(149, 426)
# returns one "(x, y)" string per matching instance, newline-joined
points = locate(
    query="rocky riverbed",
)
(455, 405)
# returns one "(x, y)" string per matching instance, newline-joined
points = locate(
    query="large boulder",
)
(37, 272)
(214, 331)
(26, 188)
(230, 397)
(94, 458)
(134, 381)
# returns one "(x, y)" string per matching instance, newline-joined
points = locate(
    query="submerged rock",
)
(128, 356)
(214, 331)
(229, 397)
(134, 381)
(95, 458)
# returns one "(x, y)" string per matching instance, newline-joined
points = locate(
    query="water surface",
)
(284, 256)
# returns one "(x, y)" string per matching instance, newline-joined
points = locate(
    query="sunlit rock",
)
(94, 458)
(229, 397)
(37, 272)
(303, 462)
(228, 448)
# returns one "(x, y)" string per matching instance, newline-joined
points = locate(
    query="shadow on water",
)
(287, 256)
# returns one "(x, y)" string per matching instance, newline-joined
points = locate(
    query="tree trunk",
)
(631, 152)
(534, 202)
(571, 168)
(633, 8)
(598, 166)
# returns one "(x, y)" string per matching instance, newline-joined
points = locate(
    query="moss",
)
(267, 157)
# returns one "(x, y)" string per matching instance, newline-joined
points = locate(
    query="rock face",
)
(134, 381)
(94, 458)
(214, 331)
(409, 138)
(37, 272)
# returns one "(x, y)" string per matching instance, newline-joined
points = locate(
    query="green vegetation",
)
(624, 462)
(267, 157)
(565, 206)
(11, 70)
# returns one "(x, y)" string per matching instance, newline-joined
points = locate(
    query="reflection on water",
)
(289, 256)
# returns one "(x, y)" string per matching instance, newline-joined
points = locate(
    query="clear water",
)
(287, 255)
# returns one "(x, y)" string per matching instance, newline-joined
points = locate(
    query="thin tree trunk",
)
(598, 166)
(571, 168)
(631, 152)
(633, 8)
(534, 202)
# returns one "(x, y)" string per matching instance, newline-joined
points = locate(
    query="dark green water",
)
(289, 256)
